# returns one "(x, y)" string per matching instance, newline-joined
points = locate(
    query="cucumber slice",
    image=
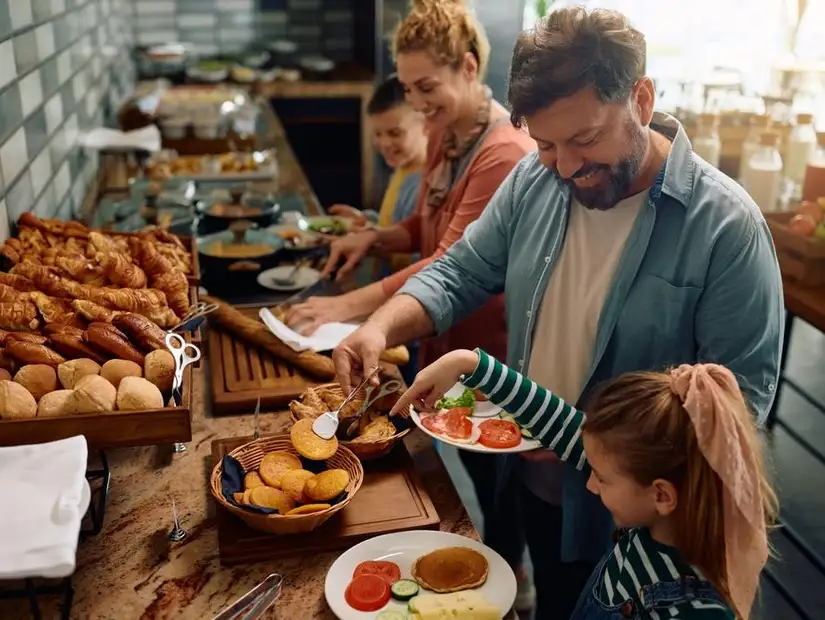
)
(525, 433)
(404, 590)
(506, 416)
(391, 614)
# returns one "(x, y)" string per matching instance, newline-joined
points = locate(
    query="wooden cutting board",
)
(391, 499)
(241, 373)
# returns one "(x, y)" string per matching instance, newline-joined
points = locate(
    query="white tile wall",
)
(41, 171)
(7, 68)
(20, 12)
(31, 92)
(4, 220)
(44, 36)
(13, 156)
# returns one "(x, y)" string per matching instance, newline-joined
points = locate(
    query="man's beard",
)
(620, 176)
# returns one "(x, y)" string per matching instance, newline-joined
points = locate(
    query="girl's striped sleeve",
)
(552, 421)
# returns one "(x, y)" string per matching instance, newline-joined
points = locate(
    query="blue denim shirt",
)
(698, 281)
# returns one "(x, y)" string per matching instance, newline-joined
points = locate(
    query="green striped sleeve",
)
(552, 421)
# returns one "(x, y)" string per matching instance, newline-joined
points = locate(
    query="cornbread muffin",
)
(267, 497)
(308, 444)
(251, 480)
(326, 485)
(293, 482)
(275, 464)
(308, 509)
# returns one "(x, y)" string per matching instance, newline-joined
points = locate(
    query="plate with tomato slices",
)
(373, 580)
(460, 428)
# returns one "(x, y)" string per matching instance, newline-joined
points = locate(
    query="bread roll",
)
(38, 379)
(115, 370)
(72, 371)
(159, 368)
(16, 402)
(55, 404)
(5, 375)
(136, 393)
(93, 394)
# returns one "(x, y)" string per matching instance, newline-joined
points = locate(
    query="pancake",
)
(450, 569)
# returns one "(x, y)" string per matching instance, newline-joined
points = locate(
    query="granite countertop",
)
(131, 571)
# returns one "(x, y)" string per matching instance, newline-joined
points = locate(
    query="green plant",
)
(542, 7)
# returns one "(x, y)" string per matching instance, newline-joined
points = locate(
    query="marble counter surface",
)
(131, 572)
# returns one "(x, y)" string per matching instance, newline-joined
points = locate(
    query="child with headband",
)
(674, 456)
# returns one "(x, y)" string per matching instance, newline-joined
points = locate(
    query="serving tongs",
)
(326, 425)
(254, 603)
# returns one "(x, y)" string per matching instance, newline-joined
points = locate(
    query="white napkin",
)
(45, 495)
(325, 338)
(148, 138)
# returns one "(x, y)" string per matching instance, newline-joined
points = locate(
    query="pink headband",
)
(705, 391)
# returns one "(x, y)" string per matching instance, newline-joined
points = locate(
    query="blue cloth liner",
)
(232, 482)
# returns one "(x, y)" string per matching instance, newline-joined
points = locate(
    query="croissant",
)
(81, 269)
(91, 311)
(108, 327)
(25, 337)
(153, 262)
(17, 282)
(120, 270)
(103, 337)
(100, 242)
(174, 284)
(31, 353)
(7, 293)
(47, 281)
(54, 309)
(72, 346)
(18, 315)
(59, 328)
(141, 330)
(12, 250)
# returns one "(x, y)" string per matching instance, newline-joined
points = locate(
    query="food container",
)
(233, 258)
(216, 215)
(243, 75)
(175, 127)
(208, 127)
(250, 456)
(212, 71)
(163, 60)
(369, 449)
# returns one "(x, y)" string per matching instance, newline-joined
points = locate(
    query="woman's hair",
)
(388, 94)
(640, 419)
(445, 29)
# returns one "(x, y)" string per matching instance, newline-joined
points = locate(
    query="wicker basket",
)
(366, 450)
(250, 456)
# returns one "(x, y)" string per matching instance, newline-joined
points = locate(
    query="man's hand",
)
(357, 355)
(349, 250)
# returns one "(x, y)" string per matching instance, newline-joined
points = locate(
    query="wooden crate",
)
(801, 259)
(109, 430)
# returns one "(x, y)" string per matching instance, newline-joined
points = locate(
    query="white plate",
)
(483, 411)
(304, 277)
(404, 548)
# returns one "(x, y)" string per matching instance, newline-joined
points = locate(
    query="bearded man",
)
(618, 249)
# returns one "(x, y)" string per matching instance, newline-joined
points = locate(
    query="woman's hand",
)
(433, 382)
(309, 315)
(350, 250)
(359, 220)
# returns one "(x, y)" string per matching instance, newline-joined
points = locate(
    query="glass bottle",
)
(813, 186)
(707, 144)
(764, 173)
(759, 124)
(801, 147)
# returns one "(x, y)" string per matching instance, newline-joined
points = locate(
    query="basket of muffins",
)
(287, 484)
(364, 426)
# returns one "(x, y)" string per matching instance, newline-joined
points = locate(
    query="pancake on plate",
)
(450, 569)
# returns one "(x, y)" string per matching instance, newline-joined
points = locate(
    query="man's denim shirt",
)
(698, 281)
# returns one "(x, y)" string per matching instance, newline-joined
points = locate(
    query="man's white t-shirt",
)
(565, 334)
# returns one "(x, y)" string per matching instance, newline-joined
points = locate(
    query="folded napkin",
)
(45, 497)
(147, 139)
(325, 338)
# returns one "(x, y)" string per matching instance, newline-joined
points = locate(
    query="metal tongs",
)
(326, 425)
(254, 603)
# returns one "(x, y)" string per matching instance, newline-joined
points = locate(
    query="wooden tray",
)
(391, 499)
(241, 373)
(801, 259)
(109, 430)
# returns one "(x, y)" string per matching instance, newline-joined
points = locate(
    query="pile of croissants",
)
(72, 292)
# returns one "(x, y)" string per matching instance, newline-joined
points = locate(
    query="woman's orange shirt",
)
(433, 232)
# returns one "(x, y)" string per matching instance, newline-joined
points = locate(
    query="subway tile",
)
(149, 7)
(72, 21)
(58, 6)
(21, 13)
(49, 79)
(65, 208)
(62, 181)
(275, 17)
(45, 40)
(196, 6)
(41, 9)
(58, 148)
(64, 67)
(41, 172)
(8, 70)
(25, 51)
(4, 221)
(36, 133)
(235, 5)
(31, 92)
(157, 36)
(46, 206)
(79, 191)
(12, 117)
(236, 35)
(13, 156)
(193, 20)
(273, 5)
(305, 4)
(54, 113)
(338, 17)
(5, 23)
(67, 97)
(62, 32)
(20, 196)
(79, 84)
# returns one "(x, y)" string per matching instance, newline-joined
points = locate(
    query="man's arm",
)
(739, 322)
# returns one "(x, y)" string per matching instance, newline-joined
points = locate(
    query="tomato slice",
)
(499, 434)
(367, 593)
(457, 424)
(480, 396)
(389, 571)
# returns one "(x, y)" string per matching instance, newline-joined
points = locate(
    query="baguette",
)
(256, 333)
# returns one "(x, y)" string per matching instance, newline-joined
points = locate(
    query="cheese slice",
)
(466, 605)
